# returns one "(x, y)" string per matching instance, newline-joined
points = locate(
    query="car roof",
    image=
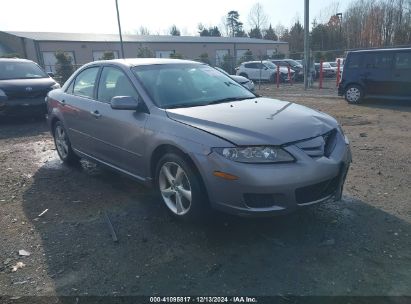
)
(131, 62)
(255, 61)
(381, 50)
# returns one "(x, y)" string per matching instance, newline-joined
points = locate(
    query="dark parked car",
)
(201, 138)
(379, 73)
(294, 65)
(23, 87)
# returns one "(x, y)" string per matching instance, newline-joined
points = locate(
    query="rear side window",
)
(403, 61)
(355, 61)
(378, 61)
(251, 65)
(85, 82)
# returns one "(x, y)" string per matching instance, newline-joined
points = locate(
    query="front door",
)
(402, 74)
(120, 133)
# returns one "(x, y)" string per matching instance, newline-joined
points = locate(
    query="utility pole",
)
(119, 31)
(306, 42)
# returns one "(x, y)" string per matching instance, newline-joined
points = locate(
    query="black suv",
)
(377, 73)
(23, 87)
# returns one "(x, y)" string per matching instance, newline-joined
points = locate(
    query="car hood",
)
(259, 121)
(16, 85)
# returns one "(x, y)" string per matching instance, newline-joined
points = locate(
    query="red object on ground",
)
(278, 76)
(338, 71)
(289, 75)
(321, 74)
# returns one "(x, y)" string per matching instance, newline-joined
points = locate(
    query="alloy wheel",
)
(61, 142)
(353, 94)
(175, 188)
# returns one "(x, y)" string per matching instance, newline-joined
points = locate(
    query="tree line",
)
(363, 24)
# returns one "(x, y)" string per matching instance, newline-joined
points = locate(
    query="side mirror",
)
(51, 74)
(265, 68)
(124, 103)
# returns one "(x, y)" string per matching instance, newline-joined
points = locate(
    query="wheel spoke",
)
(179, 175)
(179, 203)
(167, 192)
(167, 174)
(184, 192)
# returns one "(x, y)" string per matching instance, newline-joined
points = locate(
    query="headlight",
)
(258, 154)
(55, 86)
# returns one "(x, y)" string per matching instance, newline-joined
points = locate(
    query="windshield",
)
(270, 65)
(293, 63)
(20, 70)
(333, 64)
(188, 85)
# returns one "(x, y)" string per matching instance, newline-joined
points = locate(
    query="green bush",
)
(108, 55)
(145, 52)
(176, 56)
(64, 66)
(204, 58)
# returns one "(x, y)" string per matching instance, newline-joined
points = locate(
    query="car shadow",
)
(342, 248)
(395, 105)
(16, 127)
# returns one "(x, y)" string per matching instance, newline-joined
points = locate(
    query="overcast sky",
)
(99, 16)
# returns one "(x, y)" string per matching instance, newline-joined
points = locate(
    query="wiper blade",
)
(184, 105)
(228, 99)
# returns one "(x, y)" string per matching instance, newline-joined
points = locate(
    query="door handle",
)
(95, 113)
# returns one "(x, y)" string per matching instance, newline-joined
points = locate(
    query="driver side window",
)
(113, 82)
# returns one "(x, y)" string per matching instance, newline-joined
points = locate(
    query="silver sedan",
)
(200, 138)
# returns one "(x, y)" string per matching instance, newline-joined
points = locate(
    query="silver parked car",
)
(245, 82)
(199, 137)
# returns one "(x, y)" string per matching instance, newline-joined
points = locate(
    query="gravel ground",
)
(359, 246)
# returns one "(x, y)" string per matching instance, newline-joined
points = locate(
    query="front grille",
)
(28, 94)
(317, 191)
(321, 145)
(261, 200)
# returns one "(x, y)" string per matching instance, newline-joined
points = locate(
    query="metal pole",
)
(119, 31)
(306, 42)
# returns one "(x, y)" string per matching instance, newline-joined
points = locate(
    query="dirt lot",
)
(359, 246)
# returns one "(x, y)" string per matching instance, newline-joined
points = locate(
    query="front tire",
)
(63, 145)
(180, 188)
(354, 94)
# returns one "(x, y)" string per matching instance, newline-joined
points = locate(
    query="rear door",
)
(120, 133)
(377, 73)
(402, 74)
(77, 106)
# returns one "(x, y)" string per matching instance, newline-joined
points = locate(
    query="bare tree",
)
(143, 31)
(279, 30)
(257, 18)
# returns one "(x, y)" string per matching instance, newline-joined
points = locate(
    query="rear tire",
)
(353, 94)
(180, 188)
(63, 145)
